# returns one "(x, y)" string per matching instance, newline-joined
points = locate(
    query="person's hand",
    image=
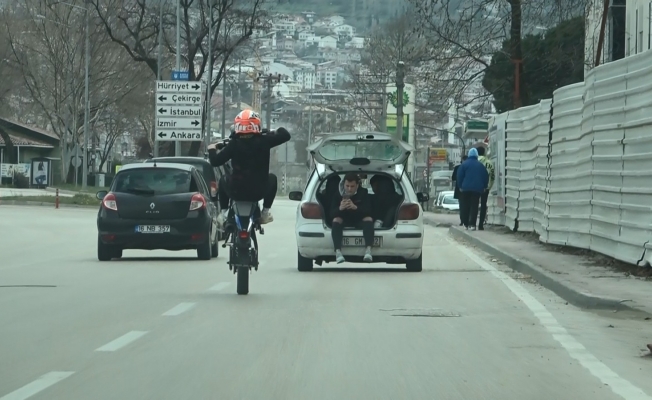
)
(344, 205)
(352, 206)
(212, 146)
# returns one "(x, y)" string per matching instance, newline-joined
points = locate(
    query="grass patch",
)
(78, 199)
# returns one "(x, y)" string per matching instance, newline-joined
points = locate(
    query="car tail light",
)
(311, 211)
(197, 202)
(409, 212)
(243, 235)
(109, 202)
(213, 188)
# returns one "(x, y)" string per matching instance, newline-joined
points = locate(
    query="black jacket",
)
(361, 199)
(249, 156)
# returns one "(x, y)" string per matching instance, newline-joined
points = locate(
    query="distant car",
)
(153, 206)
(441, 179)
(210, 174)
(440, 197)
(399, 241)
(450, 203)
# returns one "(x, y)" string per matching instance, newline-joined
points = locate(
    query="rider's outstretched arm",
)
(278, 138)
(222, 157)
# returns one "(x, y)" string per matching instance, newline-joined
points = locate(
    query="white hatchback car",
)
(399, 241)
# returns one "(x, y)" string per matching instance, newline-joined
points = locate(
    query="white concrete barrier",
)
(576, 167)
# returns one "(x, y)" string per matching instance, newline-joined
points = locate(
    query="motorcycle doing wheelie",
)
(242, 223)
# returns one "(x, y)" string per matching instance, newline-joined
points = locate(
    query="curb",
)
(42, 204)
(549, 281)
(431, 221)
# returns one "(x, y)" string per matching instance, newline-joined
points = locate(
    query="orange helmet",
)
(247, 122)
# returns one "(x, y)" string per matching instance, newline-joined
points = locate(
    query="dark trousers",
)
(483, 207)
(224, 193)
(337, 232)
(469, 208)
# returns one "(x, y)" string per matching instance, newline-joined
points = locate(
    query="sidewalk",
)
(442, 219)
(581, 277)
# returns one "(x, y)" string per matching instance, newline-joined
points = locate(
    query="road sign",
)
(177, 123)
(179, 111)
(180, 134)
(180, 75)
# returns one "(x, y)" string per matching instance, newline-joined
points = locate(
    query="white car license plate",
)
(152, 228)
(359, 241)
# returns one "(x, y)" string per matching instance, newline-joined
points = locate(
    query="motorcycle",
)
(240, 229)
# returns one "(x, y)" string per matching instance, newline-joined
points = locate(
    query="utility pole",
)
(177, 144)
(224, 75)
(160, 59)
(87, 107)
(400, 85)
(209, 92)
(312, 90)
(269, 83)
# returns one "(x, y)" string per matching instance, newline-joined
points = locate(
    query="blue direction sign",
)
(180, 75)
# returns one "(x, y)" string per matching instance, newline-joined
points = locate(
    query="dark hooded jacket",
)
(249, 156)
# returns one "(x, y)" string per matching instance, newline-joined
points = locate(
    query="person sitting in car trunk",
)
(351, 208)
(384, 201)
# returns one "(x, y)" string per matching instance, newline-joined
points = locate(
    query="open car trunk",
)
(385, 206)
(369, 153)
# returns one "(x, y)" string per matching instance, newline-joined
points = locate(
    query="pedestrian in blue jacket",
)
(473, 180)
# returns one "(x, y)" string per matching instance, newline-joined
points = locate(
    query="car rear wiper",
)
(140, 191)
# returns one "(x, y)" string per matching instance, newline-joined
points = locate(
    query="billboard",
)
(437, 155)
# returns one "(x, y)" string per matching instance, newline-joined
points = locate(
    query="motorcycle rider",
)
(249, 153)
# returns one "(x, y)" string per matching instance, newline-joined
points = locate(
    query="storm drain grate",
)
(421, 312)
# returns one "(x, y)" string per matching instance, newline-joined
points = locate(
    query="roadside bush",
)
(21, 181)
(84, 200)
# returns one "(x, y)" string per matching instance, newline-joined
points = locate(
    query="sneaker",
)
(339, 257)
(367, 255)
(221, 219)
(481, 228)
(472, 228)
(266, 217)
(378, 224)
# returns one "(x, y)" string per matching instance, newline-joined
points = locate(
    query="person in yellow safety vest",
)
(492, 177)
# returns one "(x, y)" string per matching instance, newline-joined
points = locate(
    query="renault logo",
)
(152, 206)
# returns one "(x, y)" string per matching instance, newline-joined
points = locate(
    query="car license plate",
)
(351, 241)
(152, 228)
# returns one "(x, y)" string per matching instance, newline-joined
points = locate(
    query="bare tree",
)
(471, 31)
(134, 25)
(48, 46)
(387, 45)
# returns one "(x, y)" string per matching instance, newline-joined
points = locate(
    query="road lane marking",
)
(575, 349)
(122, 341)
(42, 383)
(178, 309)
(219, 286)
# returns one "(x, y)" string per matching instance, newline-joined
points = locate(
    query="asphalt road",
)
(161, 325)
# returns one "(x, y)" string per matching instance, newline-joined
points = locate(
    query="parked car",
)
(440, 197)
(399, 241)
(153, 206)
(450, 203)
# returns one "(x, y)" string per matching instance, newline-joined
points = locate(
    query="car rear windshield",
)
(154, 181)
(450, 200)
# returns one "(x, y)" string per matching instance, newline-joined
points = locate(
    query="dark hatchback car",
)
(211, 174)
(157, 206)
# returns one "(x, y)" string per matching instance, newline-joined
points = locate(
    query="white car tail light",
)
(197, 202)
(109, 202)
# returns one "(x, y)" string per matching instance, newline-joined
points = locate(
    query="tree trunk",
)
(517, 52)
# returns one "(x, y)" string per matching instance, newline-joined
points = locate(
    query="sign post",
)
(179, 111)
